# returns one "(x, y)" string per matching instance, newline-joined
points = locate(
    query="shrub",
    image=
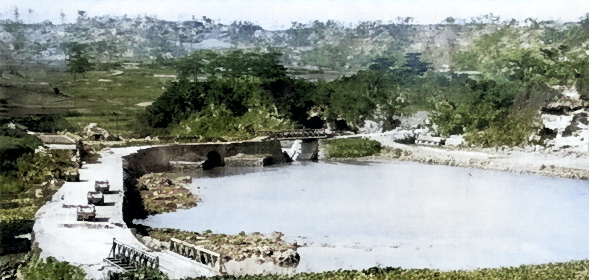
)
(13, 145)
(512, 130)
(52, 269)
(144, 273)
(43, 123)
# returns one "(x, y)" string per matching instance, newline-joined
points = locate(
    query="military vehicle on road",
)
(86, 213)
(96, 198)
(102, 186)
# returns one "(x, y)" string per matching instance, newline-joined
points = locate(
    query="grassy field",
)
(108, 98)
(111, 100)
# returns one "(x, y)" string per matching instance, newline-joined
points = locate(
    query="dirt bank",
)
(242, 254)
(165, 192)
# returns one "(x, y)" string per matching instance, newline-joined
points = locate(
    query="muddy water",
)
(355, 216)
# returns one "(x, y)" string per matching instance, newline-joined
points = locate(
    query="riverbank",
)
(569, 270)
(165, 192)
(242, 254)
(561, 164)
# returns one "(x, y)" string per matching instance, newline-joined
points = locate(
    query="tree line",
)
(511, 74)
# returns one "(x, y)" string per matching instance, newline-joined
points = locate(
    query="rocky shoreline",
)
(237, 251)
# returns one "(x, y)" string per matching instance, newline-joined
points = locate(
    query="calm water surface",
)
(356, 216)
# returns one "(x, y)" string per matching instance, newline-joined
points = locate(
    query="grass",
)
(569, 270)
(111, 104)
(352, 147)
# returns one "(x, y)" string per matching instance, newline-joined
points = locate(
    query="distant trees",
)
(234, 85)
(236, 81)
(77, 61)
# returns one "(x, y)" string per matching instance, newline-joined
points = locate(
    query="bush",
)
(10, 186)
(352, 147)
(219, 123)
(407, 140)
(52, 269)
(513, 130)
(143, 273)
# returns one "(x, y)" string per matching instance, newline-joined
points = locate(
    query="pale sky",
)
(278, 14)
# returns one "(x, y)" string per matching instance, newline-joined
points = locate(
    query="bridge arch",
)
(213, 160)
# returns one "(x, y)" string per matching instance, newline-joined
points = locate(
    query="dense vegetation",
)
(242, 93)
(24, 184)
(237, 93)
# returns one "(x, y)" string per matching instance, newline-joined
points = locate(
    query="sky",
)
(279, 14)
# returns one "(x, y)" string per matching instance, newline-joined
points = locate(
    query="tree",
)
(414, 65)
(77, 60)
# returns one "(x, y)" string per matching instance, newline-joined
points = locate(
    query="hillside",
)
(316, 45)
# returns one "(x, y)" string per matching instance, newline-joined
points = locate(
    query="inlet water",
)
(356, 216)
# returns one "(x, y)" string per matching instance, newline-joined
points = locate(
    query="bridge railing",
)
(296, 133)
(199, 254)
(127, 257)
